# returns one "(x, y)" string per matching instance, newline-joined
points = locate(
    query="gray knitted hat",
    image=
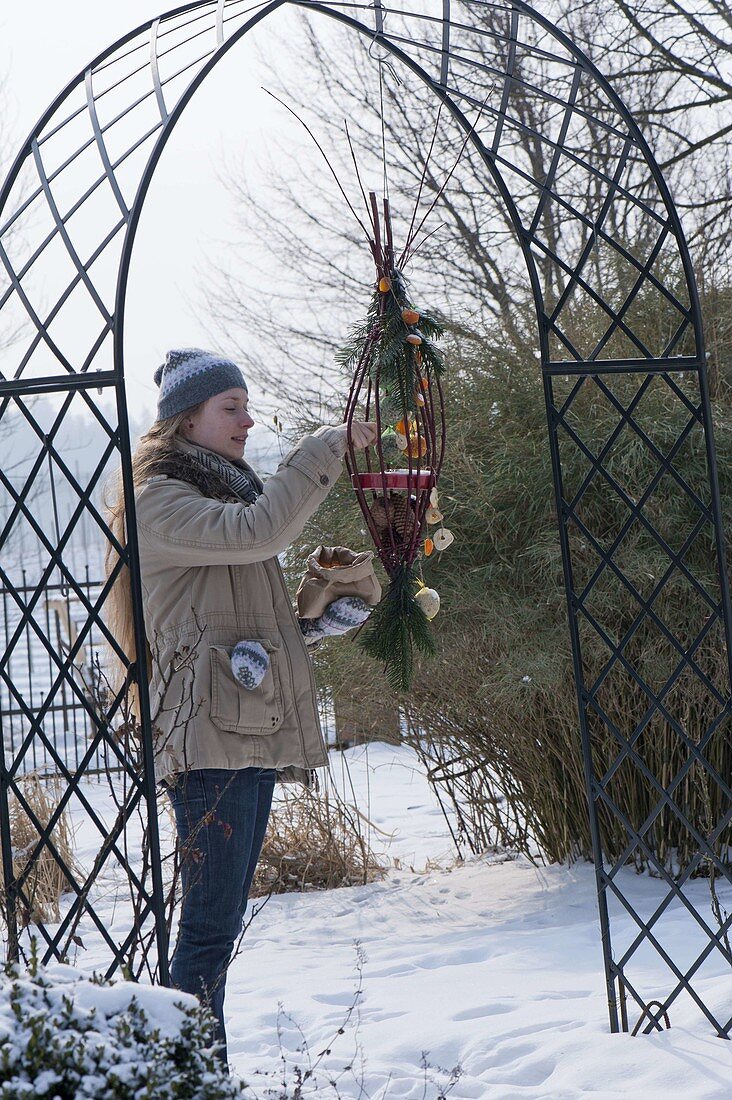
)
(189, 376)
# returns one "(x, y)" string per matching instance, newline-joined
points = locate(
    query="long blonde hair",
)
(152, 446)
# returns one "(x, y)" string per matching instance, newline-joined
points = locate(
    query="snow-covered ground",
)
(494, 966)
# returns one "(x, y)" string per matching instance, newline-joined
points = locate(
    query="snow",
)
(61, 982)
(493, 966)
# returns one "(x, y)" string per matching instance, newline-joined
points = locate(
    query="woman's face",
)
(221, 424)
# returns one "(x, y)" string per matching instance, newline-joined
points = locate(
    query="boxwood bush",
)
(65, 1036)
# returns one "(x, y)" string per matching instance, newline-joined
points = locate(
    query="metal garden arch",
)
(93, 154)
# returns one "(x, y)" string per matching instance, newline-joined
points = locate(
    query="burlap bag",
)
(335, 571)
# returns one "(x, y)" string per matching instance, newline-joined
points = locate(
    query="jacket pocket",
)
(233, 707)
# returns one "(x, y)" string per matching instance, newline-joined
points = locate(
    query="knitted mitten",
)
(343, 614)
(249, 663)
(311, 630)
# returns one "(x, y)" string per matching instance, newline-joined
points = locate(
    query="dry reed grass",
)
(314, 841)
(44, 882)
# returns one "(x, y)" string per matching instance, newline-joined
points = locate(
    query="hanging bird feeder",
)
(396, 383)
(396, 368)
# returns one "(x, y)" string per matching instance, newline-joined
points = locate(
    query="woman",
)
(209, 534)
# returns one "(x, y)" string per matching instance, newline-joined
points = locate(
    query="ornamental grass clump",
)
(42, 881)
(314, 841)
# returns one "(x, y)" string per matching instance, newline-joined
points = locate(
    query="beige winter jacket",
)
(210, 579)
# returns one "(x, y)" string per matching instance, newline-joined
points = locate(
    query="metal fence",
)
(32, 670)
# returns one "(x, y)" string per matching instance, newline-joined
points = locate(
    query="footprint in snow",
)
(379, 1017)
(340, 1000)
(461, 956)
(497, 1008)
(509, 1053)
(563, 995)
(533, 1072)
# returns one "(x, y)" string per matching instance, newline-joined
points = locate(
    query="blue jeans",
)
(221, 817)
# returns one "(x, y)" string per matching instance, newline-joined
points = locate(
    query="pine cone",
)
(395, 512)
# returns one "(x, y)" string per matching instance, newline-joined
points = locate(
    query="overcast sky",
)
(188, 218)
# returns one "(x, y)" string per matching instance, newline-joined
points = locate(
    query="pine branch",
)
(396, 627)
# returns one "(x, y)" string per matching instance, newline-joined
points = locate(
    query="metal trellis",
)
(89, 162)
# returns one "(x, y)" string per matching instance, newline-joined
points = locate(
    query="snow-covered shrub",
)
(64, 1036)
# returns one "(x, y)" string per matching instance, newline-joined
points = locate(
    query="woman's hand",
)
(363, 434)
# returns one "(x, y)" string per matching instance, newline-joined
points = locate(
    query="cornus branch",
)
(404, 258)
(325, 158)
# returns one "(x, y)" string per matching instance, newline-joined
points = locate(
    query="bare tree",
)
(10, 329)
(468, 264)
(366, 113)
(672, 63)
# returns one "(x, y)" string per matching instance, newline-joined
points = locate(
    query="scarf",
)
(235, 474)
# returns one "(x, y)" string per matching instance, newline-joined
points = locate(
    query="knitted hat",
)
(189, 376)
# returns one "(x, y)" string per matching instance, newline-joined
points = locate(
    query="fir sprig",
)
(397, 626)
(397, 363)
(350, 353)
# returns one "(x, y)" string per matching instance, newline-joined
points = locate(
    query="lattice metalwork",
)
(618, 323)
